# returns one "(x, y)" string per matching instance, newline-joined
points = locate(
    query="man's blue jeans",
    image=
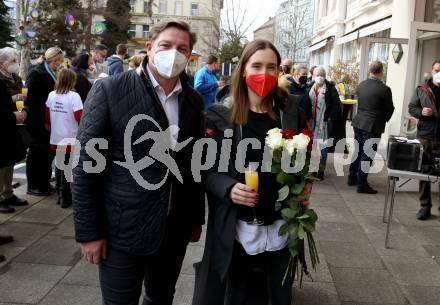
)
(356, 172)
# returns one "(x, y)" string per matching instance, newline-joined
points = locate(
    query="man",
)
(424, 106)
(116, 62)
(206, 83)
(134, 233)
(99, 55)
(286, 66)
(299, 87)
(375, 108)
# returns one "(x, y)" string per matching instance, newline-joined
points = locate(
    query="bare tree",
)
(293, 36)
(24, 8)
(234, 24)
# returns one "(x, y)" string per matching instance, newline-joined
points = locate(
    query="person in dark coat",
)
(375, 109)
(81, 65)
(298, 87)
(136, 222)
(327, 121)
(116, 61)
(10, 79)
(231, 254)
(40, 82)
(425, 106)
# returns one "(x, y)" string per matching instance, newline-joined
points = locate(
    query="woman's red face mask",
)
(261, 84)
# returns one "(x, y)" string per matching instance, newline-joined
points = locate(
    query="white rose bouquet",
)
(291, 149)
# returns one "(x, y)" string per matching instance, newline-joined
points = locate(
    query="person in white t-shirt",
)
(63, 113)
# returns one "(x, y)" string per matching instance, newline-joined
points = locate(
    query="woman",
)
(234, 247)
(81, 67)
(326, 115)
(135, 61)
(13, 149)
(40, 82)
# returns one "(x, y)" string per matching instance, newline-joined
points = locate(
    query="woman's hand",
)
(244, 195)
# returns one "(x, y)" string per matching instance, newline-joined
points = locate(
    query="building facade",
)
(202, 15)
(293, 29)
(404, 35)
(266, 31)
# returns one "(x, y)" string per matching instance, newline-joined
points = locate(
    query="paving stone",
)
(83, 273)
(343, 232)
(365, 209)
(322, 273)
(425, 235)
(316, 294)
(422, 295)
(65, 228)
(43, 212)
(324, 188)
(10, 253)
(184, 290)
(366, 285)
(319, 200)
(413, 271)
(25, 234)
(332, 214)
(28, 283)
(375, 225)
(52, 250)
(339, 254)
(73, 295)
(409, 219)
(399, 245)
(193, 255)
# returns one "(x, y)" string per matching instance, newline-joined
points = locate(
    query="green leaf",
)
(293, 231)
(285, 178)
(283, 229)
(278, 206)
(301, 232)
(305, 216)
(312, 214)
(297, 189)
(308, 227)
(288, 214)
(294, 247)
(294, 205)
(276, 167)
(283, 193)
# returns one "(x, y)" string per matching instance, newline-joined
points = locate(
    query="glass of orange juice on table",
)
(251, 179)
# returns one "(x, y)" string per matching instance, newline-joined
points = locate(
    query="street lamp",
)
(397, 53)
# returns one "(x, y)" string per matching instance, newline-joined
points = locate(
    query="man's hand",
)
(426, 111)
(20, 117)
(95, 251)
(244, 195)
(195, 234)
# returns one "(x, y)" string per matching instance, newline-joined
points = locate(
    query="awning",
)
(366, 30)
(319, 44)
(375, 28)
(348, 37)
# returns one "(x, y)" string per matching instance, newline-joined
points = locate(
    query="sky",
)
(261, 10)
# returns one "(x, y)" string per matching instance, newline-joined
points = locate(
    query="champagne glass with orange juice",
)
(251, 179)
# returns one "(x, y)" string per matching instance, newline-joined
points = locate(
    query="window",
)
(132, 31)
(194, 9)
(132, 5)
(178, 10)
(146, 31)
(147, 7)
(163, 7)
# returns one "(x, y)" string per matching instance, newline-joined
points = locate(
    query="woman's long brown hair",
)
(239, 89)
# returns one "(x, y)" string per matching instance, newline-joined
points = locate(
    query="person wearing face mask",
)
(99, 54)
(286, 67)
(424, 106)
(298, 87)
(326, 114)
(40, 82)
(235, 247)
(81, 67)
(206, 82)
(375, 109)
(13, 149)
(139, 235)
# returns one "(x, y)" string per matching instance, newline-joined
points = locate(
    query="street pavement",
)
(45, 267)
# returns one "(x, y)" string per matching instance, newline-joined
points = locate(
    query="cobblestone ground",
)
(44, 263)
